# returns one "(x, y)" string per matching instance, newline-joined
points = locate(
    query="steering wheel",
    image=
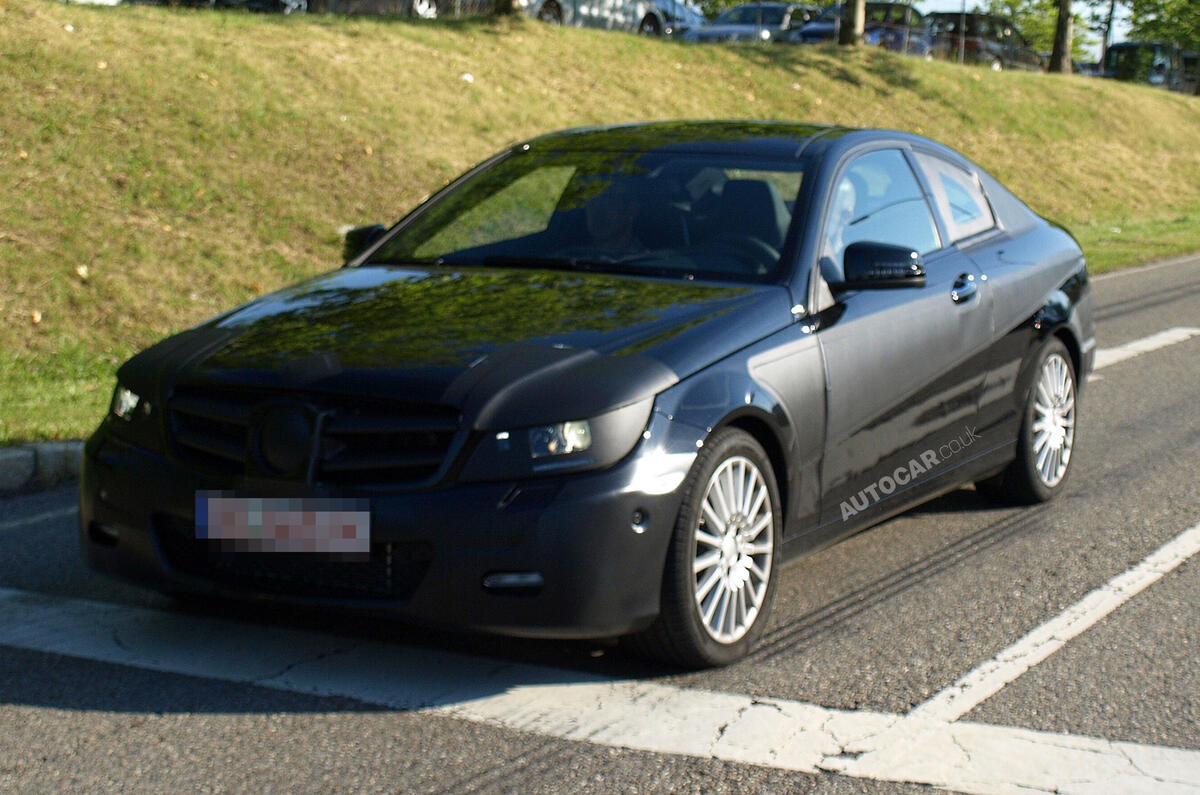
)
(746, 249)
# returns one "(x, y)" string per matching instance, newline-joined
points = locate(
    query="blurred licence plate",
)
(280, 524)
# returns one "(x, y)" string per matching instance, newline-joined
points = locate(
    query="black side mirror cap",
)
(359, 239)
(872, 266)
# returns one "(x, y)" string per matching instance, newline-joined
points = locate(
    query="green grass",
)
(158, 165)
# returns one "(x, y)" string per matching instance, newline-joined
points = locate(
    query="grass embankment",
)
(159, 165)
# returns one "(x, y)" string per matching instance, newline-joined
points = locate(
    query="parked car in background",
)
(754, 22)
(1155, 63)
(604, 385)
(1190, 82)
(651, 17)
(896, 26)
(678, 17)
(984, 39)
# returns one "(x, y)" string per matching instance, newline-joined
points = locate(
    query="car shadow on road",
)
(327, 660)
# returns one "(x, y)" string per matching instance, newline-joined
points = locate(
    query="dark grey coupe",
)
(604, 384)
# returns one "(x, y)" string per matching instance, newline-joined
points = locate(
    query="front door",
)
(905, 366)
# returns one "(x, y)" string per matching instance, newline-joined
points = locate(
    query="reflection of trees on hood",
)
(449, 318)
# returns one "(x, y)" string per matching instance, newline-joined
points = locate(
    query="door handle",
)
(964, 287)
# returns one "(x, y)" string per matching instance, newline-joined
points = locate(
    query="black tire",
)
(550, 13)
(681, 635)
(650, 26)
(423, 9)
(1032, 478)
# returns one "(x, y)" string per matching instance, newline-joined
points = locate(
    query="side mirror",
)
(871, 266)
(359, 239)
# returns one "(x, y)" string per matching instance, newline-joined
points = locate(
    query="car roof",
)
(969, 15)
(744, 138)
(764, 4)
(764, 138)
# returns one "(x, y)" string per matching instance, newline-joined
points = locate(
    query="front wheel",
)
(1047, 439)
(550, 13)
(424, 9)
(719, 580)
(650, 26)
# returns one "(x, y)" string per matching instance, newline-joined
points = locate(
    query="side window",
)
(877, 199)
(958, 197)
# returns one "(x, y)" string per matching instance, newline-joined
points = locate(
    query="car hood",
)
(817, 30)
(724, 31)
(504, 346)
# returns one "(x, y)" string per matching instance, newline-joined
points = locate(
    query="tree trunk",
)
(506, 7)
(854, 17)
(1060, 59)
(1108, 23)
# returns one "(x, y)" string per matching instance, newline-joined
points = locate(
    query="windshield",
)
(655, 213)
(767, 16)
(831, 13)
(681, 11)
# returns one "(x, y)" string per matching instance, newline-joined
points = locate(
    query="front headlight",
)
(570, 446)
(134, 418)
(125, 402)
(562, 438)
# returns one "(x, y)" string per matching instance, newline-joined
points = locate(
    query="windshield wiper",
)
(555, 263)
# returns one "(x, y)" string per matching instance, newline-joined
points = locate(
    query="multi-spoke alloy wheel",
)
(733, 549)
(1047, 435)
(719, 579)
(1054, 420)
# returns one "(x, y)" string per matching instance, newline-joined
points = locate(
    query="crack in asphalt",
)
(293, 665)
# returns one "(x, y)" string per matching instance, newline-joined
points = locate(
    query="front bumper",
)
(431, 549)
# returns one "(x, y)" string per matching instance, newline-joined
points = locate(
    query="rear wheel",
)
(719, 580)
(1047, 438)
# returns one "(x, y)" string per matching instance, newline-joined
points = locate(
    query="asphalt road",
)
(104, 686)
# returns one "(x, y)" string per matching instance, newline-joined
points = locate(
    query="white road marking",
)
(46, 516)
(1186, 259)
(930, 745)
(989, 678)
(927, 746)
(1110, 356)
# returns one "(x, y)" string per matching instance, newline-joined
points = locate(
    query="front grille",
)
(363, 441)
(393, 571)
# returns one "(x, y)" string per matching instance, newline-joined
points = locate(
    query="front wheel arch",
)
(688, 630)
(766, 437)
(550, 12)
(650, 26)
(1068, 340)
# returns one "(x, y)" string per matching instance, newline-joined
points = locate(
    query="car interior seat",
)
(752, 207)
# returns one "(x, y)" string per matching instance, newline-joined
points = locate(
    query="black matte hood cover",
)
(505, 346)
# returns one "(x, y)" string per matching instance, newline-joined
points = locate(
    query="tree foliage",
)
(1037, 19)
(1173, 21)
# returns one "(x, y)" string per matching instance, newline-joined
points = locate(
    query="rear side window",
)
(958, 197)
